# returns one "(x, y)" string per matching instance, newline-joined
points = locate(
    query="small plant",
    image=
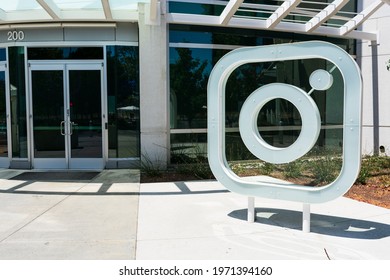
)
(386, 181)
(376, 163)
(373, 166)
(325, 169)
(293, 169)
(199, 169)
(150, 167)
(237, 168)
(364, 174)
(266, 168)
(236, 150)
(192, 164)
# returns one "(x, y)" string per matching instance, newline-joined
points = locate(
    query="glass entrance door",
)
(67, 116)
(84, 125)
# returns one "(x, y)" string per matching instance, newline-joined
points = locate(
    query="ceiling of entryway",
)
(12, 11)
(317, 17)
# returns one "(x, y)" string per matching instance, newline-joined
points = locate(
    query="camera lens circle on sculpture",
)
(321, 79)
(310, 116)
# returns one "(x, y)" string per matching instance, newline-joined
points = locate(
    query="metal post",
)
(251, 210)
(375, 96)
(306, 218)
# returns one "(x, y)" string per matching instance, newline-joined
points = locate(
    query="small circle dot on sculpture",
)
(321, 79)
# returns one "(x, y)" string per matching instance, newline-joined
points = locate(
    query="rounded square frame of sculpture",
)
(351, 121)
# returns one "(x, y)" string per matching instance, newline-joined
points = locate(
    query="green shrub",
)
(293, 169)
(325, 169)
(149, 167)
(192, 164)
(376, 163)
(266, 168)
(364, 174)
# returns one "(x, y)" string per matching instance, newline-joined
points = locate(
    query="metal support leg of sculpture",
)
(306, 218)
(251, 210)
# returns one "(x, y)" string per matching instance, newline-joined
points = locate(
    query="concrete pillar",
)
(154, 98)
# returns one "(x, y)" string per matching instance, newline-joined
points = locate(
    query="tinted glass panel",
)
(48, 113)
(3, 118)
(279, 121)
(18, 102)
(243, 37)
(3, 56)
(65, 53)
(123, 102)
(85, 113)
(194, 8)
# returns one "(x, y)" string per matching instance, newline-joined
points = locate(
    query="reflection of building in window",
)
(188, 87)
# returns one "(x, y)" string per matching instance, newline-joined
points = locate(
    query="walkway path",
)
(67, 219)
(112, 216)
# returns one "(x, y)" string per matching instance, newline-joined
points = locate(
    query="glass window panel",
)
(279, 123)
(3, 118)
(65, 53)
(279, 119)
(18, 102)
(235, 148)
(189, 67)
(48, 113)
(3, 55)
(189, 71)
(242, 37)
(123, 102)
(194, 8)
(188, 146)
(85, 113)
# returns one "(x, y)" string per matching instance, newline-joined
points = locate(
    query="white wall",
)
(380, 21)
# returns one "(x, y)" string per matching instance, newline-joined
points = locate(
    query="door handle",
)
(71, 127)
(62, 128)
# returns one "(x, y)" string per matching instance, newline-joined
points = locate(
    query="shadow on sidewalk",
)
(321, 224)
(54, 182)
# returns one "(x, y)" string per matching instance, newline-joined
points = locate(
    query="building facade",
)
(106, 84)
(374, 57)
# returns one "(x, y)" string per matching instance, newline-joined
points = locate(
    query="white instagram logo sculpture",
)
(311, 121)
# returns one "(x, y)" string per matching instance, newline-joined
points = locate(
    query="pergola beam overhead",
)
(297, 16)
(107, 9)
(361, 17)
(51, 8)
(154, 10)
(282, 12)
(179, 18)
(325, 14)
(229, 11)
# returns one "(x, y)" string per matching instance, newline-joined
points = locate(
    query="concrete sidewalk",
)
(113, 216)
(201, 220)
(92, 219)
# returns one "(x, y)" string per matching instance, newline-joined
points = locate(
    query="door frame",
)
(68, 162)
(5, 161)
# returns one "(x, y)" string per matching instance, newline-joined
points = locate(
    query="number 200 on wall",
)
(15, 35)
